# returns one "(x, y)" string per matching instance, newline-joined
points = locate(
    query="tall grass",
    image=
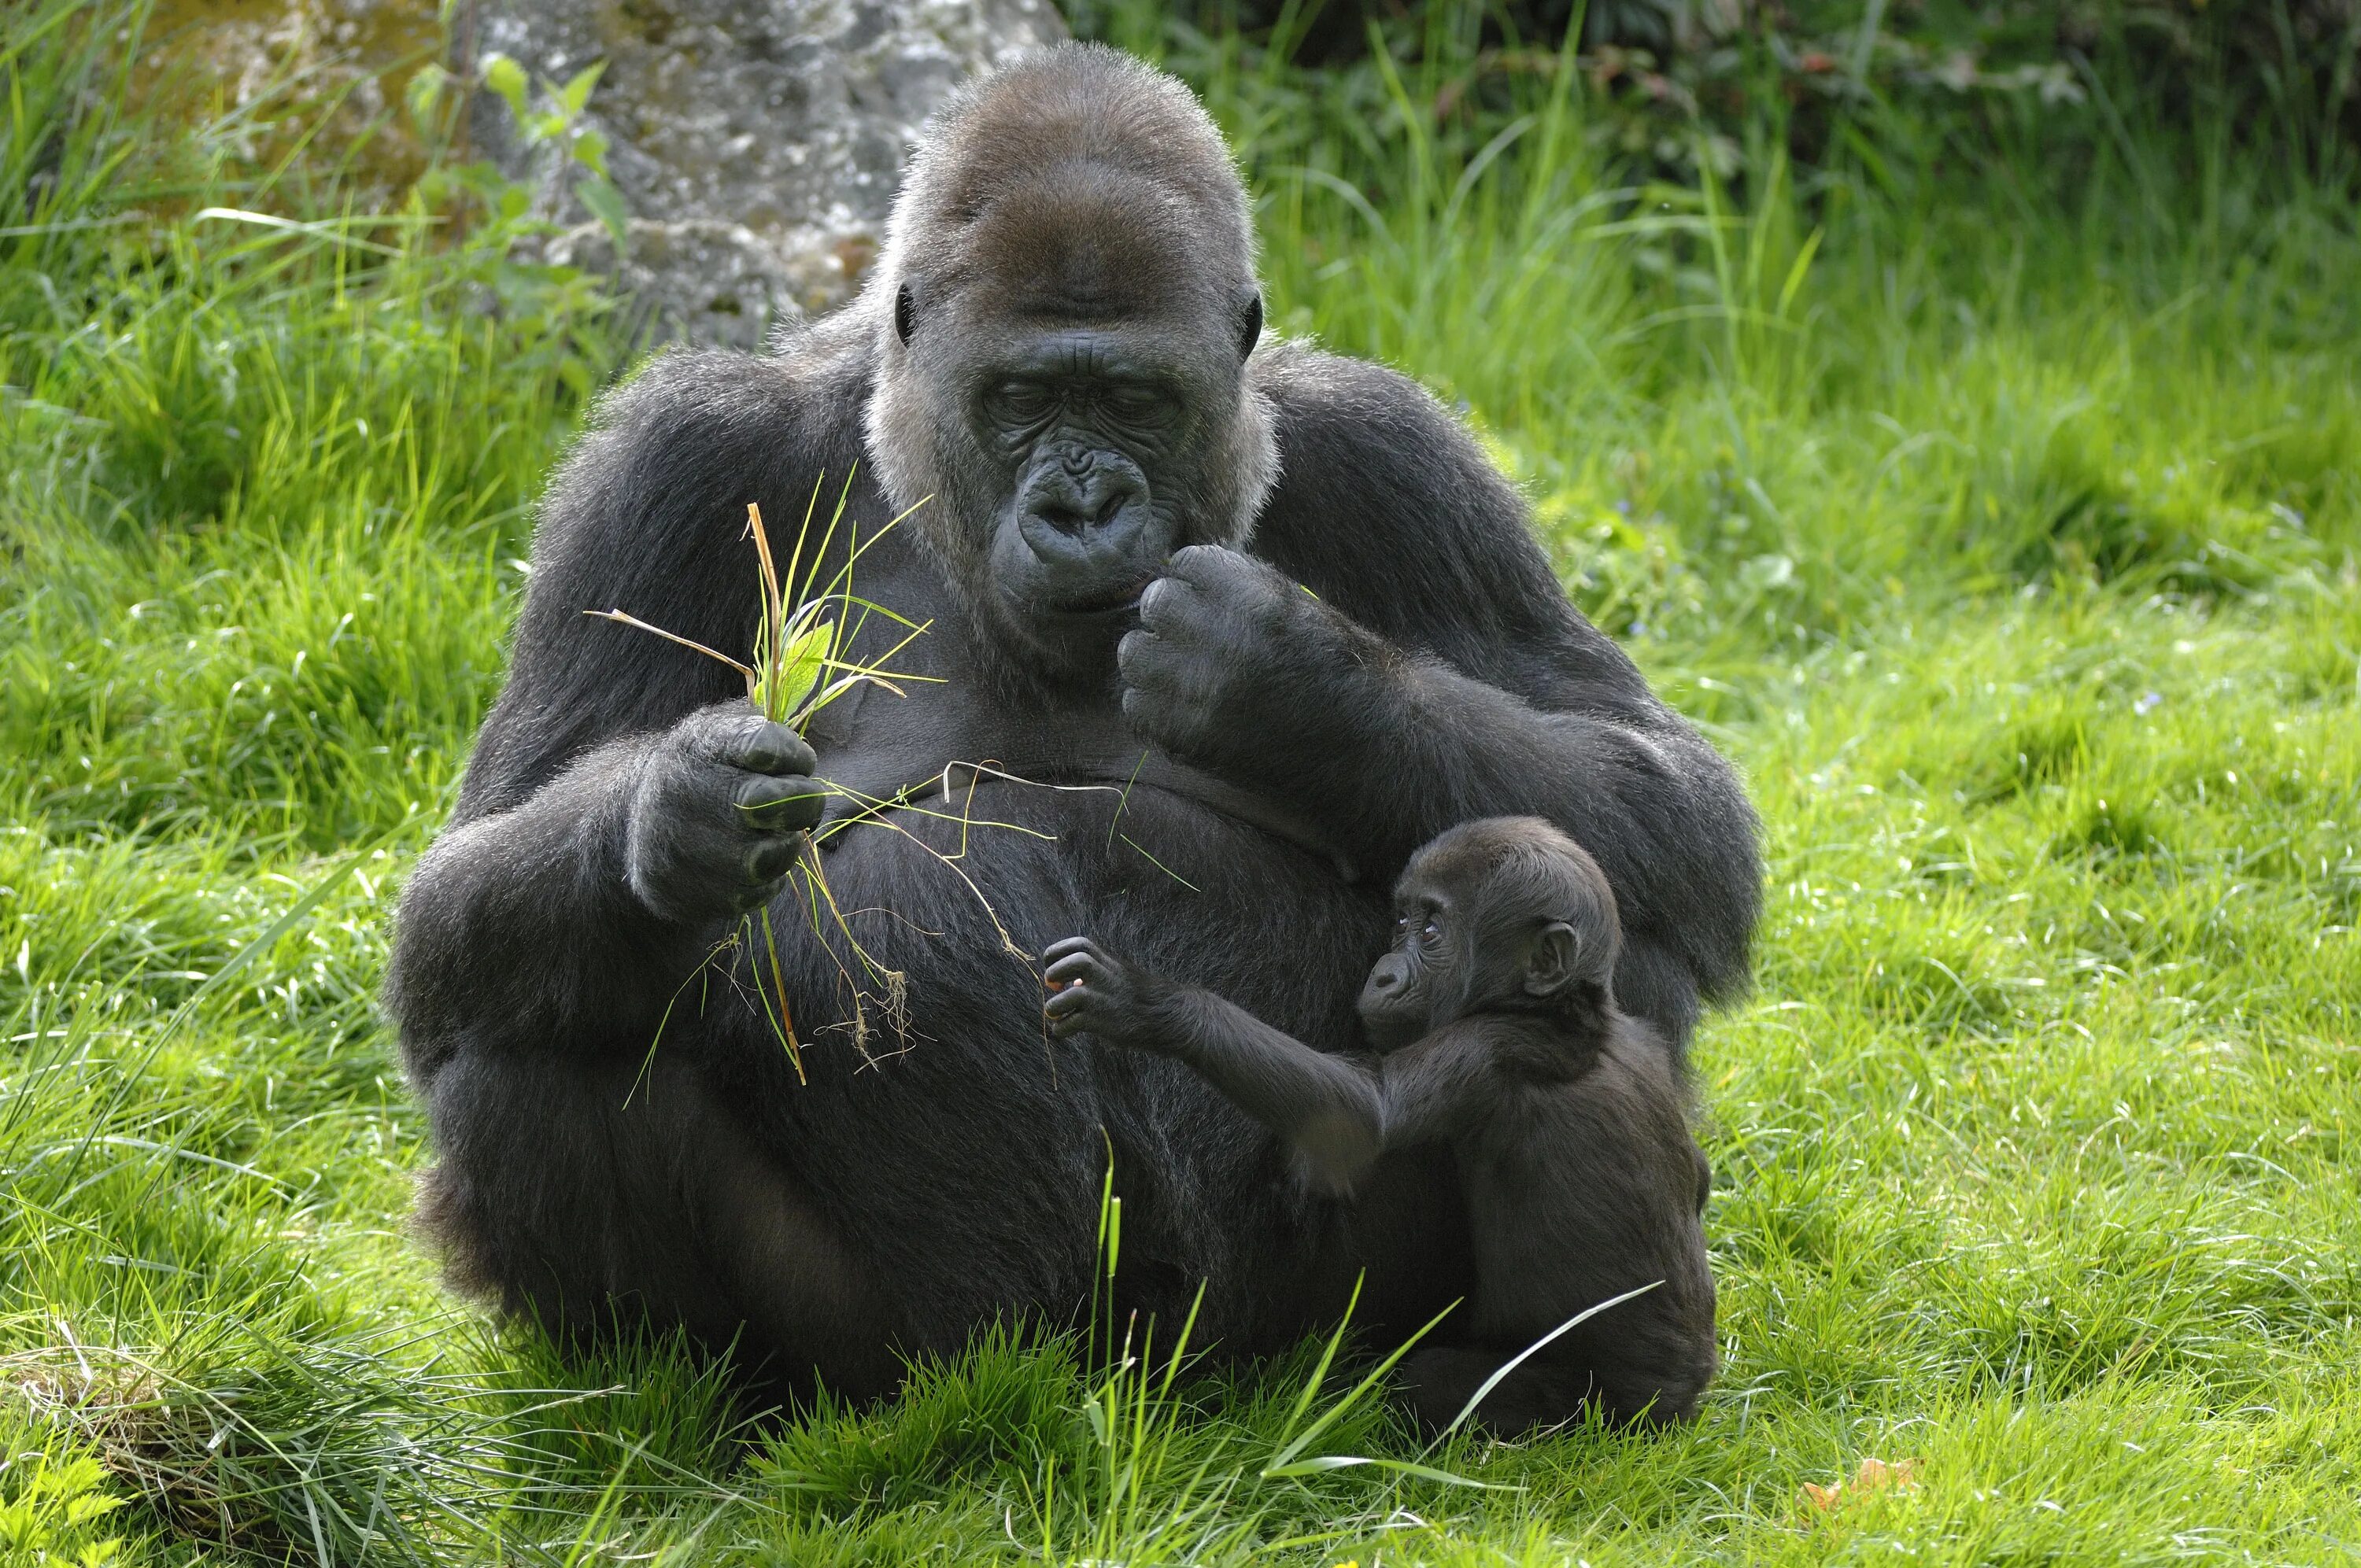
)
(1990, 489)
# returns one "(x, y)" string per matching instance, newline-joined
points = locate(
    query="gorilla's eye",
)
(1136, 405)
(1431, 930)
(1021, 402)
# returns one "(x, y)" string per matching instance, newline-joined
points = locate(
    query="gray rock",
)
(756, 142)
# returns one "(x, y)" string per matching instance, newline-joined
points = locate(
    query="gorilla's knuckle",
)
(1268, 614)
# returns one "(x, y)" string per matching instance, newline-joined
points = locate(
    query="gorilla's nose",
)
(1082, 494)
(1084, 515)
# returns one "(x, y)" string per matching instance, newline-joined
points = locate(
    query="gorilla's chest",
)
(1059, 828)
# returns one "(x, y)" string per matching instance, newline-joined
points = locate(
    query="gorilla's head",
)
(1500, 914)
(1063, 314)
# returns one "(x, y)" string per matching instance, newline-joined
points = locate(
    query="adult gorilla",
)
(1131, 494)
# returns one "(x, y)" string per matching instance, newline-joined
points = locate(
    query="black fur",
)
(1074, 217)
(1496, 1011)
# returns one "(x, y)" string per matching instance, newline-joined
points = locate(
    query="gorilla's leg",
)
(571, 1197)
(1437, 1383)
(1557, 1385)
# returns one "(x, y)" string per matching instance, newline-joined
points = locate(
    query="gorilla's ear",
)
(1249, 321)
(905, 313)
(1550, 962)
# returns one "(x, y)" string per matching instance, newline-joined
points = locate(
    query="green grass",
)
(2006, 533)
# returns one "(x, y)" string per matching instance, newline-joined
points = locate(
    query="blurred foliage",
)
(1681, 72)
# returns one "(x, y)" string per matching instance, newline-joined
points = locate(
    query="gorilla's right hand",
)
(720, 815)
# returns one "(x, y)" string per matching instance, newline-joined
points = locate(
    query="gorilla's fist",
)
(1227, 648)
(1095, 992)
(723, 803)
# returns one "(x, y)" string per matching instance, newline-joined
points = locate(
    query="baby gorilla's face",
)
(1500, 914)
(1398, 1004)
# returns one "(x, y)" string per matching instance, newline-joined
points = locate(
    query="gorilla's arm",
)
(623, 801)
(1339, 1112)
(1441, 1086)
(1440, 675)
(1327, 1107)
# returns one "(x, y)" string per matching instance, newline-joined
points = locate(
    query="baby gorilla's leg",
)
(1438, 1383)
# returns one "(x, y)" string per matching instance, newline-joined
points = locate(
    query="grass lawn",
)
(1991, 490)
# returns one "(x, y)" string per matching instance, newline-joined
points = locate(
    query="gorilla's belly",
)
(976, 1137)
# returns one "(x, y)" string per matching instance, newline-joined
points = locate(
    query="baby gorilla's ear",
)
(1552, 958)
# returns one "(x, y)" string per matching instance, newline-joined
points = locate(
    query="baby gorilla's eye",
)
(1431, 930)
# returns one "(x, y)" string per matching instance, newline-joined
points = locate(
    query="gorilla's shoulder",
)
(798, 392)
(1365, 448)
(1332, 407)
(1387, 503)
(690, 431)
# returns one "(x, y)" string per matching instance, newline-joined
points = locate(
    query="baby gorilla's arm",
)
(1326, 1106)
(1441, 1086)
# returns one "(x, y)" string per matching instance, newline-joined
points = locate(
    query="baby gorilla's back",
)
(1581, 1191)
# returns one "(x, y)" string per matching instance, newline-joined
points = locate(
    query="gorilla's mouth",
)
(1118, 600)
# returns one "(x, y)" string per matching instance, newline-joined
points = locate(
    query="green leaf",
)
(787, 681)
(1303, 1467)
(591, 148)
(576, 93)
(606, 204)
(507, 78)
(424, 92)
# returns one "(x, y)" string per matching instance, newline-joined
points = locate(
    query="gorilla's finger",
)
(1207, 565)
(792, 804)
(764, 747)
(1073, 967)
(1166, 602)
(1065, 1004)
(1059, 949)
(771, 860)
(1144, 659)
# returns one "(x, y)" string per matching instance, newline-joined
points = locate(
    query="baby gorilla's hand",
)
(1096, 994)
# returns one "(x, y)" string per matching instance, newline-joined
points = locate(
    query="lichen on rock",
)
(756, 142)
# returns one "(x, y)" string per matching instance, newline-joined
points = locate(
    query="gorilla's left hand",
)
(1229, 651)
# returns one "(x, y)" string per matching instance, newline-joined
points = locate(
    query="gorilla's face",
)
(1074, 450)
(1096, 435)
(1500, 914)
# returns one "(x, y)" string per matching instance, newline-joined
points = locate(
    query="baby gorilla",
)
(1495, 1017)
